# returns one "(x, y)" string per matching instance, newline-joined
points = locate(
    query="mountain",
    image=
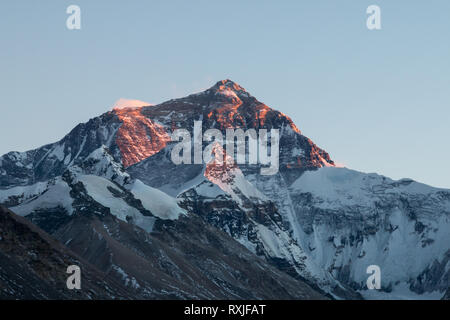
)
(137, 133)
(316, 227)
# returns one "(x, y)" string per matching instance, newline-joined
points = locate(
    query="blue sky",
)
(377, 101)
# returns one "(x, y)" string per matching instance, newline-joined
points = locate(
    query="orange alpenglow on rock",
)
(138, 137)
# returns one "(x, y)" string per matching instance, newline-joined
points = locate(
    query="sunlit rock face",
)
(227, 105)
(138, 137)
(133, 134)
(233, 107)
(146, 130)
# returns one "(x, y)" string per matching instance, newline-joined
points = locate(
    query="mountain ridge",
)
(126, 133)
(317, 223)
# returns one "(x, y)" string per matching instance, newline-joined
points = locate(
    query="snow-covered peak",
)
(228, 88)
(227, 84)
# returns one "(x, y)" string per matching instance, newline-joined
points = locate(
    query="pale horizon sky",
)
(377, 101)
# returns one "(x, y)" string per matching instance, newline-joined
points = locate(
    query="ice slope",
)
(354, 220)
(101, 190)
(345, 187)
(53, 194)
(159, 203)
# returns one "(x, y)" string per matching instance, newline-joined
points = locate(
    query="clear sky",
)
(377, 101)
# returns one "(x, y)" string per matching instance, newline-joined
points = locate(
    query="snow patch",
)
(23, 192)
(157, 202)
(97, 188)
(57, 195)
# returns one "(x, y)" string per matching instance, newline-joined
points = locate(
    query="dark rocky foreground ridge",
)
(180, 260)
(33, 265)
(110, 193)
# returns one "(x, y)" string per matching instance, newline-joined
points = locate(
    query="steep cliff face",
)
(312, 221)
(228, 105)
(138, 137)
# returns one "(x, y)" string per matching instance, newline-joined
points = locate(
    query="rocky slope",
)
(33, 266)
(121, 261)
